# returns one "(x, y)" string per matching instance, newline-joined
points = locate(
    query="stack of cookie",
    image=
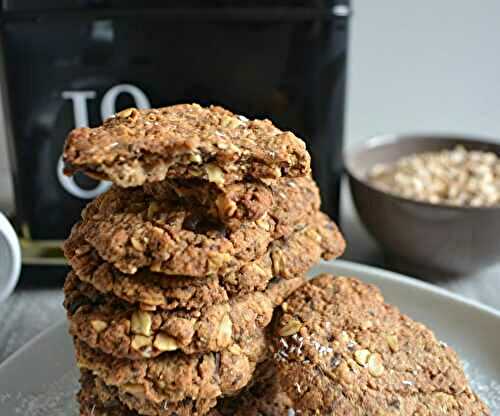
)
(176, 270)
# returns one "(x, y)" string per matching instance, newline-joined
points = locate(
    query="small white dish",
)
(10, 258)
(41, 378)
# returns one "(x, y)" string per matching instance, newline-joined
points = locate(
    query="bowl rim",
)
(393, 139)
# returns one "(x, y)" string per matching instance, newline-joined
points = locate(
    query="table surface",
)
(27, 312)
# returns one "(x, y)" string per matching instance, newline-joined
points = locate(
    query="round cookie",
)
(174, 376)
(184, 141)
(124, 330)
(98, 399)
(131, 230)
(131, 240)
(160, 291)
(287, 258)
(263, 398)
(341, 350)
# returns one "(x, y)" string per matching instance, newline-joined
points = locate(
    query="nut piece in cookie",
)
(130, 230)
(264, 398)
(98, 399)
(184, 141)
(174, 376)
(128, 331)
(341, 350)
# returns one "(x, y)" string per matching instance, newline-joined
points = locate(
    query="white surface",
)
(25, 314)
(10, 258)
(424, 65)
(41, 378)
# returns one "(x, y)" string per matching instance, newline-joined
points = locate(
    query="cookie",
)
(129, 234)
(184, 141)
(174, 376)
(98, 399)
(91, 402)
(341, 350)
(159, 291)
(264, 398)
(128, 226)
(287, 258)
(286, 200)
(131, 230)
(124, 330)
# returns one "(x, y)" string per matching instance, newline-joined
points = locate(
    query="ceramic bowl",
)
(427, 240)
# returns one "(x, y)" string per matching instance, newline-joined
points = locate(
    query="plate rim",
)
(414, 282)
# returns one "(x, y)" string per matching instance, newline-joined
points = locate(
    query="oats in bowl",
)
(455, 176)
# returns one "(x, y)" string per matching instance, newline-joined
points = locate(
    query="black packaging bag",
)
(74, 63)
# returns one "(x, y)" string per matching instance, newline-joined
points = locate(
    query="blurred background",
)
(413, 66)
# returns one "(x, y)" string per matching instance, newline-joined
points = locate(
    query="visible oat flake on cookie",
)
(174, 376)
(129, 331)
(184, 141)
(98, 399)
(132, 231)
(263, 398)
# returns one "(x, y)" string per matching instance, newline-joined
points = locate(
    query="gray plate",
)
(41, 378)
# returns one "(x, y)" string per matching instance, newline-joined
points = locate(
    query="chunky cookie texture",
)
(211, 223)
(288, 258)
(264, 398)
(286, 200)
(132, 231)
(236, 203)
(184, 141)
(341, 350)
(98, 399)
(174, 377)
(160, 291)
(124, 330)
(130, 234)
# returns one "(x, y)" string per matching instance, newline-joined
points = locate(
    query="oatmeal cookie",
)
(174, 376)
(341, 350)
(264, 398)
(132, 230)
(98, 399)
(130, 234)
(160, 291)
(286, 200)
(124, 330)
(287, 258)
(184, 141)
